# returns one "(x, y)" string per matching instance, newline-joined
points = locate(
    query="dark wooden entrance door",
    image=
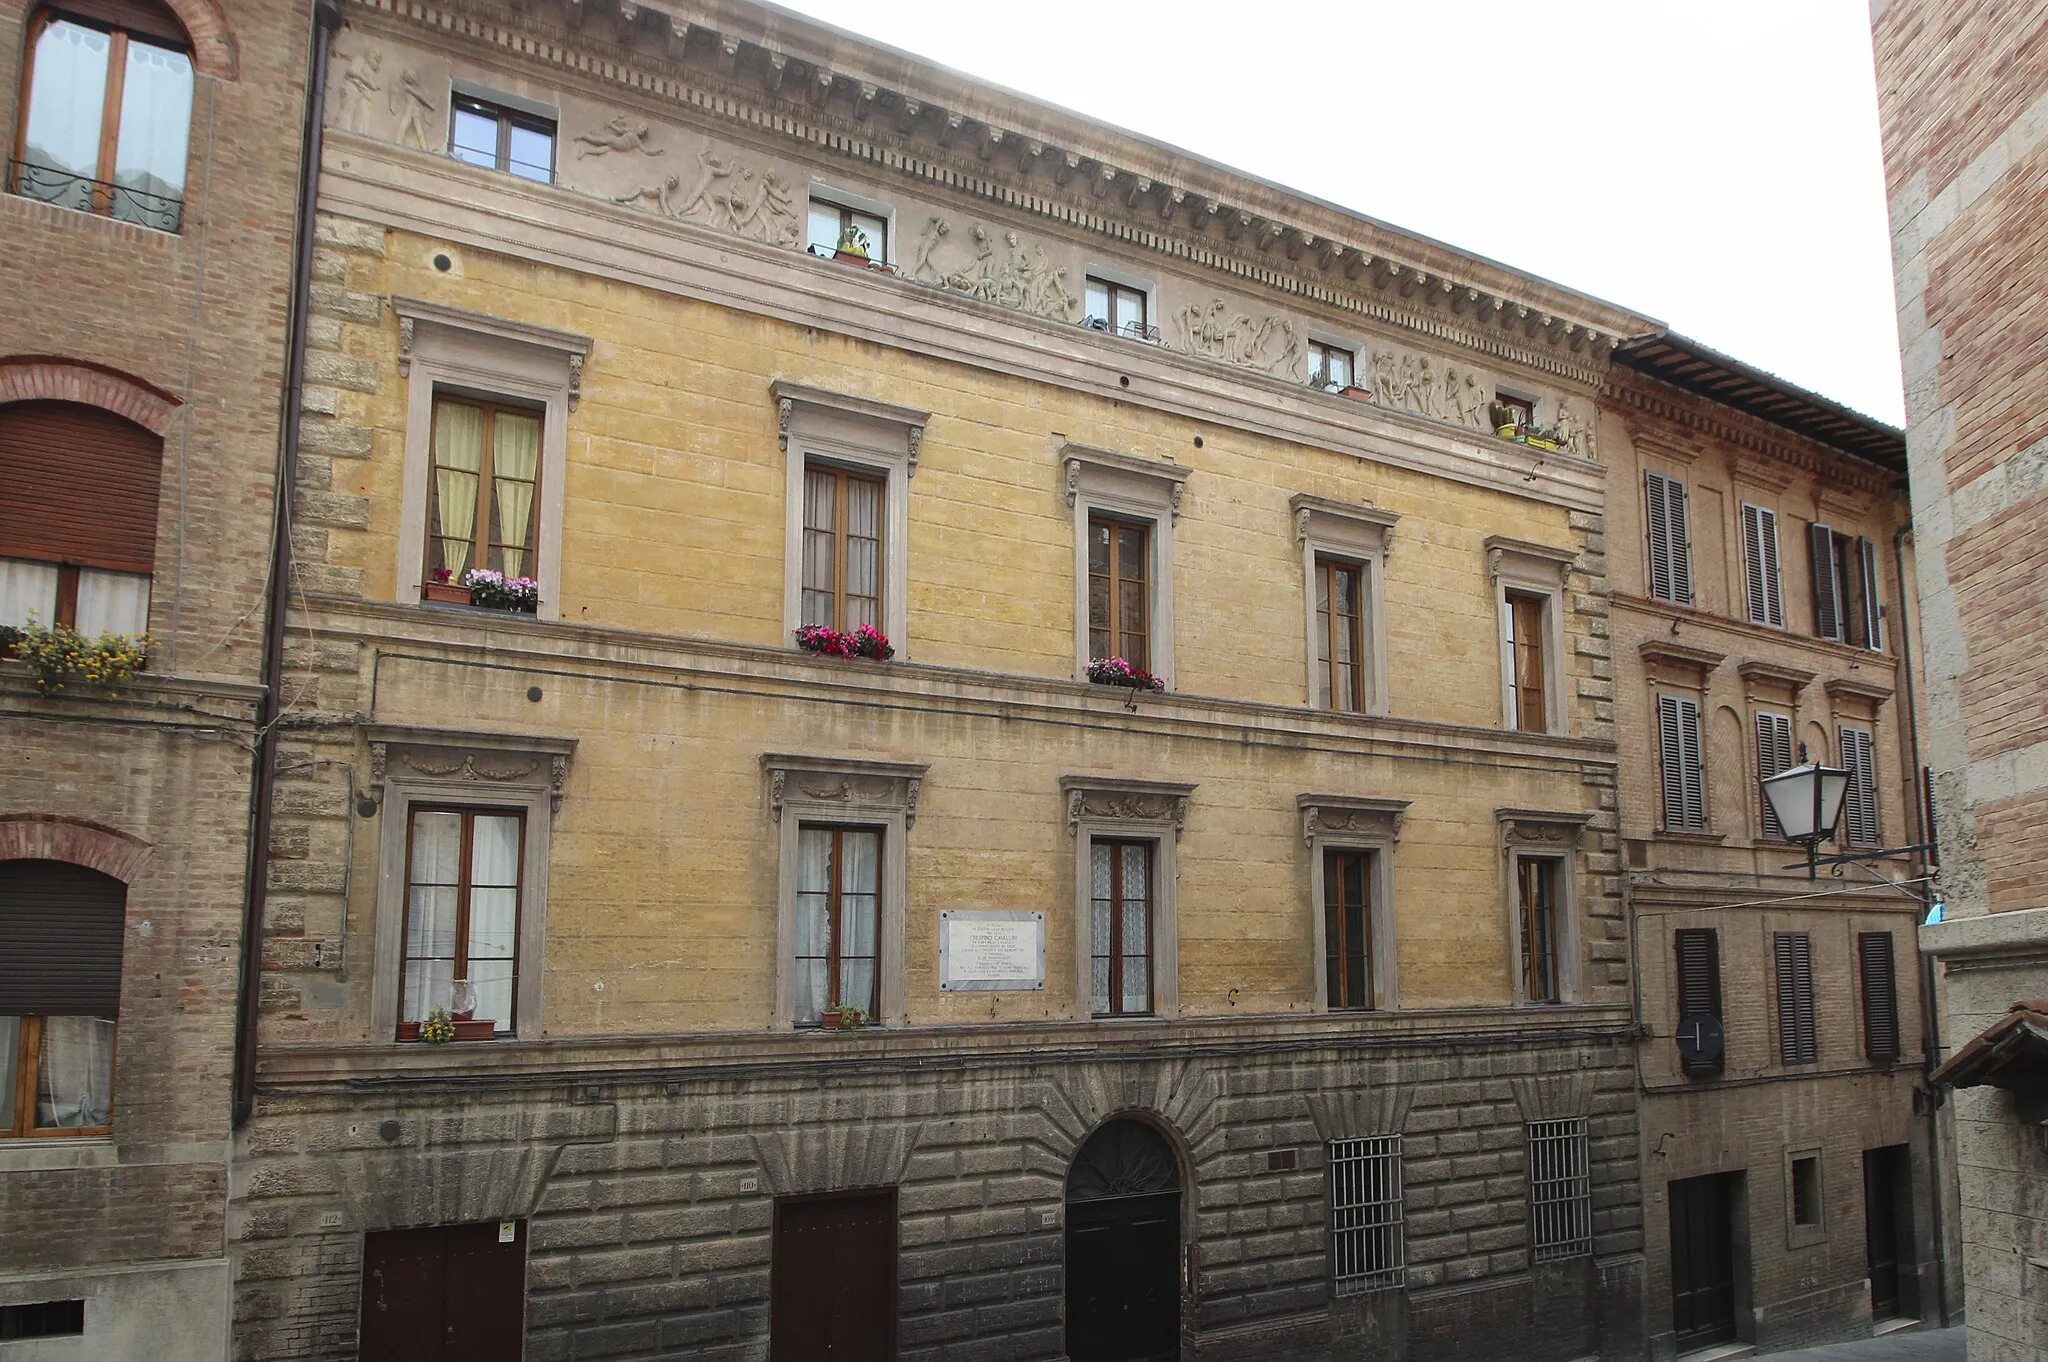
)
(1123, 1248)
(452, 1293)
(1887, 1222)
(1703, 1260)
(833, 1283)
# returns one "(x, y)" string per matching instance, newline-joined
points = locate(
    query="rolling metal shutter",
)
(60, 940)
(77, 485)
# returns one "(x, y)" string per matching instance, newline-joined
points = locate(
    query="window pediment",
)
(506, 761)
(1155, 803)
(1104, 472)
(1350, 815)
(1760, 677)
(1679, 664)
(1541, 830)
(1360, 527)
(845, 420)
(446, 332)
(859, 785)
(1520, 560)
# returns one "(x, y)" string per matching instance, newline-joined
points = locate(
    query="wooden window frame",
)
(1336, 955)
(1115, 291)
(878, 251)
(1322, 349)
(832, 956)
(1521, 605)
(460, 963)
(1330, 622)
(1521, 568)
(1117, 524)
(110, 108)
(1116, 952)
(843, 475)
(480, 544)
(507, 119)
(27, 1058)
(1847, 605)
(1541, 924)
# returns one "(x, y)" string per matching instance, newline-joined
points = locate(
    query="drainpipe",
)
(1930, 1017)
(326, 19)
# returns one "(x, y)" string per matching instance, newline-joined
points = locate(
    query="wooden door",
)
(1123, 1279)
(449, 1293)
(1703, 1260)
(1887, 1220)
(833, 1278)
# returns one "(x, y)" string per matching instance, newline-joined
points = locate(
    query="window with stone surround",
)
(832, 224)
(1126, 873)
(1119, 592)
(1681, 763)
(1560, 1189)
(1343, 552)
(1761, 595)
(1528, 583)
(1124, 513)
(838, 918)
(496, 135)
(61, 933)
(1540, 851)
(1121, 309)
(1350, 841)
(843, 518)
(483, 510)
(1331, 367)
(1120, 904)
(1670, 538)
(1368, 1221)
(464, 883)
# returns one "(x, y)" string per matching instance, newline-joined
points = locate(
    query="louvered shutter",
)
(1773, 754)
(1760, 565)
(1798, 1041)
(1880, 997)
(1678, 732)
(80, 486)
(1827, 592)
(1699, 984)
(1670, 550)
(1873, 610)
(1859, 802)
(60, 940)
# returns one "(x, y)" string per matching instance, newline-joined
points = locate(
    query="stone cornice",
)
(857, 101)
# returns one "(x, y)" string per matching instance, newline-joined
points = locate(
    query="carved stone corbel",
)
(1073, 481)
(678, 38)
(575, 380)
(783, 409)
(406, 332)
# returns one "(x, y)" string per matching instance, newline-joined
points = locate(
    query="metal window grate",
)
(1560, 1190)
(1368, 1233)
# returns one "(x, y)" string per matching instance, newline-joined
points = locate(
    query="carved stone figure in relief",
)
(979, 279)
(1431, 399)
(1573, 434)
(1386, 379)
(619, 134)
(656, 194)
(713, 172)
(354, 91)
(1013, 282)
(1411, 384)
(1472, 401)
(928, 243)
(413, 108)
(1046, 293)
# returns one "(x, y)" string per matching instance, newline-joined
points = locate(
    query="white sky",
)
(1713, 165)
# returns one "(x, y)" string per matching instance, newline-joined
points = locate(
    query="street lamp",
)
(1807, 800)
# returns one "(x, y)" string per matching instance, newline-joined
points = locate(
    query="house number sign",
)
(991, 949)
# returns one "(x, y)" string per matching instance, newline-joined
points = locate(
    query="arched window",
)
(60, 991)
(106, 111)
(78, 496)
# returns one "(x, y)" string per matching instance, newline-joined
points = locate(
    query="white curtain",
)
(27, 588)
(494, 914)
(458, 463)
(156, 120)
(515, 463)
(10, 1046)
(75, 1073)
(67, 95)
(112, 602)
(813, 921)
(430, 911)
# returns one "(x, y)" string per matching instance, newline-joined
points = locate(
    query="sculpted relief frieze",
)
(1271, 344)
(728, 194)
(1009, 277)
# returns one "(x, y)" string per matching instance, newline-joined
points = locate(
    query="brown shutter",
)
(1798, 1039)
(1699, 983)
(1880, 997)
(60, 940)
(1873, 610)
(1827, 592)
(1773, 754)
(77, 485)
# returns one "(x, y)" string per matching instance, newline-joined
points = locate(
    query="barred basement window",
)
(1368, 1234)
(1560, 1190)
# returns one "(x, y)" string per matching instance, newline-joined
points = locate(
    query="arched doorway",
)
(1123, 1247)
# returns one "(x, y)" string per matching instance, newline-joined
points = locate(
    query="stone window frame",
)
(1356, 533)
(1117, 808)
(866, 436)
(1128, 488)
(1798, 1236)
(1548, 834)
(409, 766)
(1354, 823)
(848, 791)
(835, 196)
(1531, 569)
(472, 354)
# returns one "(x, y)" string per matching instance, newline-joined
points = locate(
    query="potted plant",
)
(843, 1018)
(495, 591)
(1507, 420)
(9, 636)
(445, 588)
(866, 641)
(60, 656)
(853, 246)
(1114, 671)
(1542, 437)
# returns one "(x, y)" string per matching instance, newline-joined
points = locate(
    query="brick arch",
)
(78, 841)
(52, 378)
(214, 52)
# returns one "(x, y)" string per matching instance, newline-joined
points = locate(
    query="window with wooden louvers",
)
(1685, 787)
(1880, 997)
(1760, 565)
(1773, 754)
(1699, 985)
(1828, 615)
(1798, 1038)
(1859, 802)
(1873, 612)
(1670, 542)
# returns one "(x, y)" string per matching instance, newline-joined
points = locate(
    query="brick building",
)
(1763, 610)
(147, 215)
(1963, 91)
(1289, 1004)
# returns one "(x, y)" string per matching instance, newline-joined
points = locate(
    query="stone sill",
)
(623, 1058)
(162, 687)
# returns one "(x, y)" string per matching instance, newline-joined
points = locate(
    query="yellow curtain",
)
(458, 463)
(515, 465)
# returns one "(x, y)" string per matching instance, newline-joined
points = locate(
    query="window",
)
(842, 548)
(1560, 1190)
(1773, 754)
(463, 878)
(838, 919)
(1845, 592)
(1880, 997)
(1368, 1233)
(1119, 591)
(482, 497)
(1536, 891)
(1670, 541)
(1330, 366)
(1121, 907)
(1859, 801)
(1527, 699)
(1798, 1042)
(1340, 635)
(1523, 408)
(78, 524)
(44, 1319)
(1760, 566)
(497, 138)
(1116, 308)
(833, 227)
(109, 112)
(1806, 1190)
(61, 931)
(1699, 988)
(1678, 745)
(1347, 926)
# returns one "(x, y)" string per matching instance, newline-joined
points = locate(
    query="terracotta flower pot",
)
(451, 593)
(464, 1030)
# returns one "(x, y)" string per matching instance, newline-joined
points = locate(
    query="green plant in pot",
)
(853, 242)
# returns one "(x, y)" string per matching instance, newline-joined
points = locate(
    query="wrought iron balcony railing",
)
(61, 187)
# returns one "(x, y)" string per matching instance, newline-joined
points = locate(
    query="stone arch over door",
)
(52, 837)
(1126, 1219)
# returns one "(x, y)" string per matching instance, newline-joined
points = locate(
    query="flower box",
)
(1539, 441)
(464, 1030)
(842, 1019)
(448, 593)
(1114, 671)
(1358, 394)
(866, 641)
